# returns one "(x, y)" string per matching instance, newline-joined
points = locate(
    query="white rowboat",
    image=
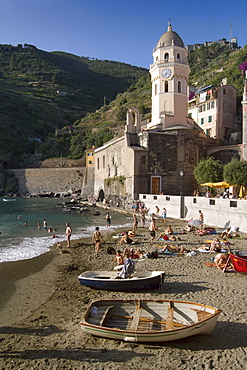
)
(148, 320)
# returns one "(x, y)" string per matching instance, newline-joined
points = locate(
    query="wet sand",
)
(43, 304)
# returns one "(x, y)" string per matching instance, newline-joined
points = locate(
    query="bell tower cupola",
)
(169, 77)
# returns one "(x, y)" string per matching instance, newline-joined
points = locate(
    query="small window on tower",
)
(166, 56)
(166, 86)
(179, 86)
(178, 55)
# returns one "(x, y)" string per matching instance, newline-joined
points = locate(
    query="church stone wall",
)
(57, 180)
(169, 153)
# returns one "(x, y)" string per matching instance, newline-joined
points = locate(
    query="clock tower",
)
(169, 76)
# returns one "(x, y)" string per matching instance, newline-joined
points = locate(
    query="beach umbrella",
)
(194, 222)
(221, 184)
(227, 224)
(242, 191)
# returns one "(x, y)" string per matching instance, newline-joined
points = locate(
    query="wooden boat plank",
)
(136, 317)
(169, 317)
(104, 317)
(201, 315)
(151, 320)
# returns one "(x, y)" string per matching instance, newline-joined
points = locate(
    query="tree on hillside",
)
(208, 170)
(235, 172)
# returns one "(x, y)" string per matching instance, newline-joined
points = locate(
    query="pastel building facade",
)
(214, 109)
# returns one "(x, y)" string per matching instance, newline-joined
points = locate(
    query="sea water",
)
(19, 242)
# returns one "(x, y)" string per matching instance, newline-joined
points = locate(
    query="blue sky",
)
(120, 30)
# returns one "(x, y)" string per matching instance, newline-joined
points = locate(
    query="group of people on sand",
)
(142, 214)
(168, 234)
(127, 253)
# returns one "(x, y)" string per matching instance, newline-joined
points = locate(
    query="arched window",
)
(157, 58)
(178, 55)
(179, 87)
(166, 86)
(166, 56)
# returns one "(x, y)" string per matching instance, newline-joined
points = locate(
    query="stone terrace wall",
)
(57, 180)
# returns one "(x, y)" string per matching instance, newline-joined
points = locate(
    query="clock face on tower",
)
(166, 73)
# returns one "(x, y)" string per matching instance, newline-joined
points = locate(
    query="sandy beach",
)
(41, 304)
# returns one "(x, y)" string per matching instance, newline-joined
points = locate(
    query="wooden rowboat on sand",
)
(108, 280)
(148, 320)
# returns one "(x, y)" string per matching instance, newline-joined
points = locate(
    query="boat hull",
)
(107, 280)
(239, 263)
(123, 320)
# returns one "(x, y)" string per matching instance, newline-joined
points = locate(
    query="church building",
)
(158, 158)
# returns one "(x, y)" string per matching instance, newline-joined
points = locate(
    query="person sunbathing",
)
(226, 233)
(136, 253)
(169, 230)
(215, 246)
(202, 232)
(164, 236)
(172, 249)
(189, 228)
(126, 240)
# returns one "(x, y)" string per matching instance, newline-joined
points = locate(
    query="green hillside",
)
(85, 99)
(41, 92)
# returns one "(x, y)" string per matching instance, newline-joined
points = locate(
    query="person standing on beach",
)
(135, 223)
(152, 230)
(97, 238)
(164, 215)
(143, 218)
(108, 220)
(68, 234)
(201, 219)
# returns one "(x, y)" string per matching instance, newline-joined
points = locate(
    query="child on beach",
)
(59, 247)
(119, 258)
